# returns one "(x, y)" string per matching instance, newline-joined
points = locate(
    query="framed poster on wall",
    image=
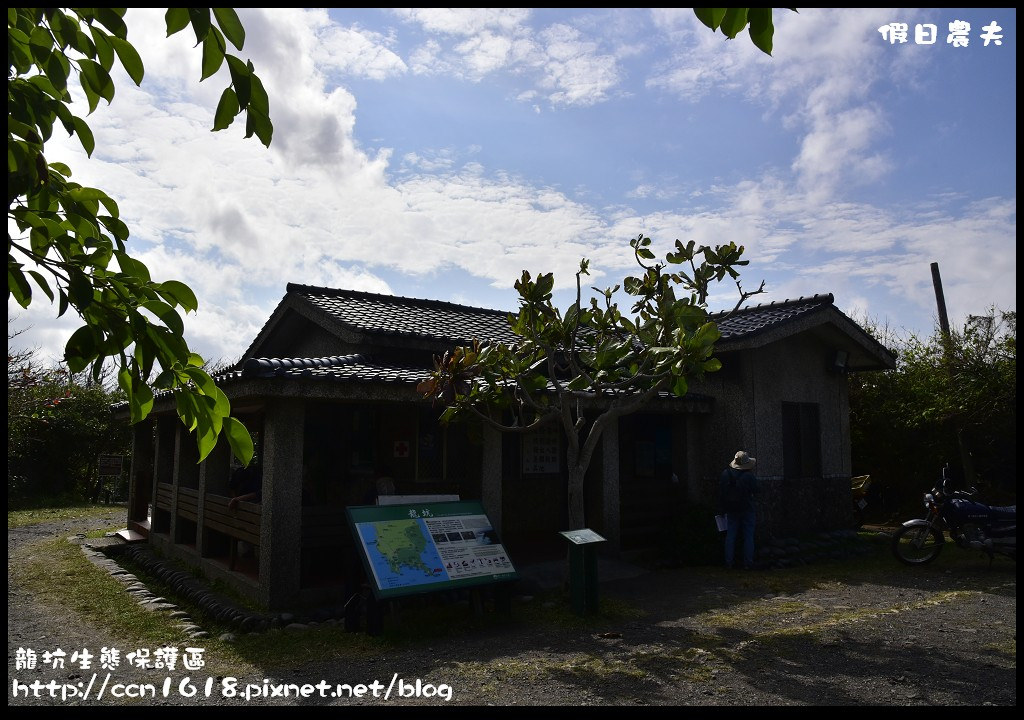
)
(542, 453)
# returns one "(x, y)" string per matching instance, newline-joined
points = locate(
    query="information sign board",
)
(423, 547)
(584, 536)
(110, 464)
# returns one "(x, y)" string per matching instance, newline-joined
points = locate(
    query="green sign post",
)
(422, 547)
(583, 569)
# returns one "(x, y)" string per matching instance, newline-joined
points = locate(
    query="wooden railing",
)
(240, 523)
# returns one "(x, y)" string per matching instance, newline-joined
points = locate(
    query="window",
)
(801, 440)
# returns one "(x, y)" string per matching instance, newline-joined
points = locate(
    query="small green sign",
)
(422, 547)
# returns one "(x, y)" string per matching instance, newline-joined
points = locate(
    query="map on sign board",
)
(422, 547)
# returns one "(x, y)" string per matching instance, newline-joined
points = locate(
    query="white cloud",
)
(466, 21)
(359, 53)
(569, 68)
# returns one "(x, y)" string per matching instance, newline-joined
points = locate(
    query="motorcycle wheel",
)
(917, 545)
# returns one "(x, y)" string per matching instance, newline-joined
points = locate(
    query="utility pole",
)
(940, 300)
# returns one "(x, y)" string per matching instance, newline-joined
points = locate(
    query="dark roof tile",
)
(750, 320)
(393, 315)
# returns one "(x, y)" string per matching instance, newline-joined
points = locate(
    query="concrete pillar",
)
(281, 512)
(140, 474)
(212, 474)
(490, 481)
(610, 506)
(163, 463)
(186, 472)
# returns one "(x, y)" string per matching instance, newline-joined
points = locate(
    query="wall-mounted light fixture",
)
(839, 361)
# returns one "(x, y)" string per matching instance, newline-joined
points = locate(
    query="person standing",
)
(737, 489)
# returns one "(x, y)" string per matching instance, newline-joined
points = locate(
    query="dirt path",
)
(940, 635)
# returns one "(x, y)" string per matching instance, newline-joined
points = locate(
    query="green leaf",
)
(80, 289)
(241, 79)
(734, 21)
(84, 194)
(95, 76)
(104, 48)
(712, 17)
(213, 53)
(239, 440)
(129, 58)
(176, 20)
(140, 402)
(202, 380)
(230, 24)
(200, 19)
(57, 69)
(132, 267)
(167, 315)
(207, 441)
(18, 286)
(227, 109)
(84, 135)
(761, 28)
(680, 387)
(41, 282)
(181, 293)
(112, 20)
(80, 349)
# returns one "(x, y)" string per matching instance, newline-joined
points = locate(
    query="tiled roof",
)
(350, 368)
(750, 320)
(393, 315)
(338, 368)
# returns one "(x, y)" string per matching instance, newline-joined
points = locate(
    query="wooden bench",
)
(188, 503)
(241, 523)
(164, 496)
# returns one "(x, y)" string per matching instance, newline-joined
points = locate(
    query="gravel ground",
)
(931, 636)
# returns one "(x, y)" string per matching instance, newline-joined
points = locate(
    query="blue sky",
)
(438, 153)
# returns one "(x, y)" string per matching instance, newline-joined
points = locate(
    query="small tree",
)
(588, 367)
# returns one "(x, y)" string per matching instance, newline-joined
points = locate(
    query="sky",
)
(437, 153)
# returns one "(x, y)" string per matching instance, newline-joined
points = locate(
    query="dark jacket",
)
(747, 483)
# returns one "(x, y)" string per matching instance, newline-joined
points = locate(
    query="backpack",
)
(735, 496)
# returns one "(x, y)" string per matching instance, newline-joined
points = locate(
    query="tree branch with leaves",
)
(584, 369)
(71, 243)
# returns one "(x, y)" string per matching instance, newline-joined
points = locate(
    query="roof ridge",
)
(828, 297)
(395, 299)
(260, 365)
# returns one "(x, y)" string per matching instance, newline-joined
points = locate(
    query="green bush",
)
(58, 426)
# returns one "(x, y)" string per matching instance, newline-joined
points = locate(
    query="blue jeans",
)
(740, 523)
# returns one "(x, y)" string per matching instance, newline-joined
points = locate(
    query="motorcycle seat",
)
(1007, 512)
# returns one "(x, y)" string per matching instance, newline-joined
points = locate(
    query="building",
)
(328, 391)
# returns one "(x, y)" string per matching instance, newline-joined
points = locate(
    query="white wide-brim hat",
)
(743, 461)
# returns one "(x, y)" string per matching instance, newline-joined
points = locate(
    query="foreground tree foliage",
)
(732, 21)
(942, 399)
(585, 368)
(71, 243)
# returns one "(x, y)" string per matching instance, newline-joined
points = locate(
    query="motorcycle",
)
(971, 524)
